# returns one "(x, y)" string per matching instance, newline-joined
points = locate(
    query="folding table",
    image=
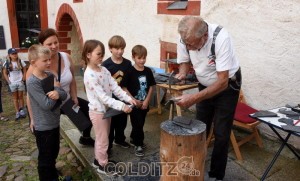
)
(273, 122)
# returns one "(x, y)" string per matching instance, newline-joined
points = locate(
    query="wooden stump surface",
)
(182, 151)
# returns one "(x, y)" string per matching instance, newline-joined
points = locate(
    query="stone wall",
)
(266, 38)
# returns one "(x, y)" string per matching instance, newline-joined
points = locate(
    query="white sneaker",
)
(208, 178)
(22, 113)
(17, 116)
(139, 151)
(109, 171)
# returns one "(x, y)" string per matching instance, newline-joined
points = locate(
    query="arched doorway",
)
(69, 33)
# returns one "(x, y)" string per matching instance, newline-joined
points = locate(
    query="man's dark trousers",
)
(220, 110)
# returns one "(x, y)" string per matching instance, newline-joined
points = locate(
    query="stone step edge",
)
(86, 163)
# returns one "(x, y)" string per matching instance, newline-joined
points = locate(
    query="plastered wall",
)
(265, 34)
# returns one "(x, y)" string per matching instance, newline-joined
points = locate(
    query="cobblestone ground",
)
(18, 151)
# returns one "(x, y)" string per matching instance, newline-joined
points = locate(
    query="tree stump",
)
(182, 151)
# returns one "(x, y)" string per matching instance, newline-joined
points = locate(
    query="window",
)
(182, 4)
(179, 7)
(30, 15)
(28, 19)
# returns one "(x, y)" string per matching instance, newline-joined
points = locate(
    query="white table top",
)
(274, 120)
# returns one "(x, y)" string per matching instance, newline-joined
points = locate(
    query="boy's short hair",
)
(36, 51)
(116, 42)
(139, 51)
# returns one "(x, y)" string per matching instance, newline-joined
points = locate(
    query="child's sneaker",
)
(17, 116)
(109, 170)
(87, 141)
(22, 113)
(122, 144)
(132, 144)
(139, 151)
(95, 164)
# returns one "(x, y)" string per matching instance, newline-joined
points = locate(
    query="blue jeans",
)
(48, 146)
(220, 110)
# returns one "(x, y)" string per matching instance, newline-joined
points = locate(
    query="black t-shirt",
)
(138, 82)
(118, 71)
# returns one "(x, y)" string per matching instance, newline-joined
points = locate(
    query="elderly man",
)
(218, 72)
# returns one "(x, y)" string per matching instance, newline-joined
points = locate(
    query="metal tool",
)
(171, 101)
(113, 112)
(178, 120)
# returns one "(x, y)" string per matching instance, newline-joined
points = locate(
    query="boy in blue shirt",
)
(138, 83)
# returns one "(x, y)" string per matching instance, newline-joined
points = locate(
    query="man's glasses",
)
(186, 44)
(14, 53)
(181, 41)
(196, 41)
(192, 46)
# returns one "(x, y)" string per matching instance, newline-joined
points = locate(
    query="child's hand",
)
(133, 102)
(53, 95)
(137, 103)
(31, 125)
(140, 103)
(75, 100)
(145, 105)
(127, 109)
(56, 83)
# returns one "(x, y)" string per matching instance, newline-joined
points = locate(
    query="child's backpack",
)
(8, 65)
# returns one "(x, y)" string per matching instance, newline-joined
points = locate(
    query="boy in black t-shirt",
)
(118, 66)
(138, 83)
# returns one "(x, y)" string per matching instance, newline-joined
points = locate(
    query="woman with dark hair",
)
(64, 72)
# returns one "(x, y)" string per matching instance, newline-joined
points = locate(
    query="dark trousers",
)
(84, 108)
(137, 118)
(220, 110)
(48, 145)
(117, 127)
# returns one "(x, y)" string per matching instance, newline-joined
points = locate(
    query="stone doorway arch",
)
(70, 36)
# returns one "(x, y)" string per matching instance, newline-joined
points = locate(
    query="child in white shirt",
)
(99, 87)
(14, 73)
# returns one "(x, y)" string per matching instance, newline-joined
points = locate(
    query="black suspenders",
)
(212, 49)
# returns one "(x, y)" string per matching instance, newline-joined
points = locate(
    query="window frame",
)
(193, 7)
(13, 21)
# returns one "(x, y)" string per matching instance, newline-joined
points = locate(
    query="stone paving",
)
(18, 154)
(18, 151)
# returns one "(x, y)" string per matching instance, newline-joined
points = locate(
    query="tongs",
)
(178, 120)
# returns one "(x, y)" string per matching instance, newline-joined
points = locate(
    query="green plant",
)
(29, 41)
(87, 175)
